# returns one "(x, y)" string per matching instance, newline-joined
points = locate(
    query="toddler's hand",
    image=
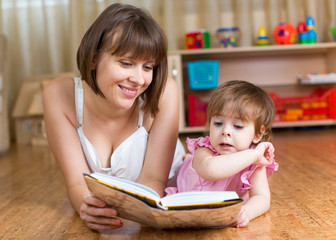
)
(243, 218)
(265, 153)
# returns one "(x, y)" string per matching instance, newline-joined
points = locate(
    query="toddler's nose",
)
(226, 132)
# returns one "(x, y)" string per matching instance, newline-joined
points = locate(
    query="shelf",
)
(192, 129)
(288, 124)
(274, 68)
(304, 123)
(278, 49)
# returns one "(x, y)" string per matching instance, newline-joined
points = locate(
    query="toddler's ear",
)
(259, 136)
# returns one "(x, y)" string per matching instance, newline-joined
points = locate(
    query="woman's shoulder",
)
(169, 101)
(171, 88)
(59, 95)
(168, 108)
(59, 84)
(59, 88)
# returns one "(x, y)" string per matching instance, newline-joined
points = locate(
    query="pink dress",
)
(189, 180)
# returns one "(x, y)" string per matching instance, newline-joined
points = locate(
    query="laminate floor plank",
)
(34, 203)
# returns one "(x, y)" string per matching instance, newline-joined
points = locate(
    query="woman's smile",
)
(129, 92)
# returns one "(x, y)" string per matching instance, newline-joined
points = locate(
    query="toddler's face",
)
(229, 134)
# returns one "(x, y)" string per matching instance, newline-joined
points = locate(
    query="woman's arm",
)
(60, 122)
(259, 198)
(214, 168)
(162, 140)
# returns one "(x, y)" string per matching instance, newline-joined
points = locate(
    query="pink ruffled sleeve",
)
(194, 143)
(170, 190)
(246, 175)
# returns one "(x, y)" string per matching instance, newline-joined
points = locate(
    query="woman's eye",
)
(148, 68)
(125, 64)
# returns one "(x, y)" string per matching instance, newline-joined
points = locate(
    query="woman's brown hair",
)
(124, 29)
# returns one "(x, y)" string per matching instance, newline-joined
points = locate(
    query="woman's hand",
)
(265, 153)
(98, 217)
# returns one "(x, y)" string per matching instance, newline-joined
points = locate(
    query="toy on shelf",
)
(301, 27)
(302, 31)
(317, 78)
(284, 33)
(203, 74)
(197, 111)
(197, 39)
(228, 37)
(307, 31)
(262, 39)
(319, 105)
(333, 32)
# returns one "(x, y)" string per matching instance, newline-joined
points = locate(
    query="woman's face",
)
(123, 79)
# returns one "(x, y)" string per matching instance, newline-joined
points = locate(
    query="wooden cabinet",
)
(274, 68)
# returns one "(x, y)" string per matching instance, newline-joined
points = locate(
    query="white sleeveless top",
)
(127, 160)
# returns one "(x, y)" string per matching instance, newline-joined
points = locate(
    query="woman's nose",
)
(137, 76)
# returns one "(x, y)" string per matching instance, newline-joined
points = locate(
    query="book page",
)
(200, 199)
(134, 189)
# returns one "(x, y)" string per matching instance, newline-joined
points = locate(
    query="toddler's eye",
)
(238, 126)
(218, 124)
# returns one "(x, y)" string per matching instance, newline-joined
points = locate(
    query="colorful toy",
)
(311, 29)
(197, 39)
(310, 23)
(306, 31)
(319, 105)
(262, 39)
(197, 111)
(203, 74)
(284, 33)
(228, 37)
(301, 27)
(333, 32)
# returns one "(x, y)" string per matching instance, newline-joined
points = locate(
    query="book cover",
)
(145, 210)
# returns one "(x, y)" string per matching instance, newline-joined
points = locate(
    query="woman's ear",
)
(94, 62)
(93, 65)
(259, 136)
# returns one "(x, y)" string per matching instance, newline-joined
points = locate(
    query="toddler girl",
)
(237, 155)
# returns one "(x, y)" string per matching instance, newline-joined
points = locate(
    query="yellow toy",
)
(263, 39)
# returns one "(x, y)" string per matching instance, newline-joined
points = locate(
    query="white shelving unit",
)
(274, 68)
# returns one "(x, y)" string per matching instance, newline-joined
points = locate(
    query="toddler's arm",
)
(214, 168)
(259, 198)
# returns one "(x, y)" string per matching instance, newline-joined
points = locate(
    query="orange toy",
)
(284, 33)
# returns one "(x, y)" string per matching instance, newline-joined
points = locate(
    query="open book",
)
(136, 202)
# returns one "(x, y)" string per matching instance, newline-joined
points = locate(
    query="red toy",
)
(319, 105)
(284, 33)
(197, 39)
(301, 27)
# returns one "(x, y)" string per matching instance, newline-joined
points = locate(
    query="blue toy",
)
(307, 33)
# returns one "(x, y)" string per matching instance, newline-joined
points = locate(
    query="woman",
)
(121, 116)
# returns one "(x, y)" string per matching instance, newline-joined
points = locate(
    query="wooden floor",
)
(34, 204)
